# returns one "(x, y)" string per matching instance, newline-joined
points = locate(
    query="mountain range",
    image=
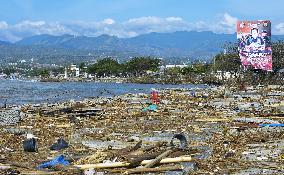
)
(174, 47)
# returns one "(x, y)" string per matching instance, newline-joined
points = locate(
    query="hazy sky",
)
(128, 18)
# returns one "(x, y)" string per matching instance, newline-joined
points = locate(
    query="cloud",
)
(129, 28)
(39, 27)
(108, 21)
(28, 23)
(223, 23)
(29, 28)
(279, 29)
(3, 25)
(229, 20)
(150, 20)
(174, 19)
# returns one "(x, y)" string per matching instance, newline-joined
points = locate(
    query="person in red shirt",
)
(155, 97)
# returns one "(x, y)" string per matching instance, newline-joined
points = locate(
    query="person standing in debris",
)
(155, 97)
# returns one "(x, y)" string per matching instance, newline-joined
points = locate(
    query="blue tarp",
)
(150, 108)
(272, 125)
(59, 160)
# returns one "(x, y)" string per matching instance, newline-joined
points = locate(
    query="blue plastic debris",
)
(272, 125)
(193, 93)
(59, 160)
(150, 108)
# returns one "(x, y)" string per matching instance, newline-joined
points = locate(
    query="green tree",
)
(140, 65)
(196, 68)
(44, 73)
(227, 62)
(9, 71)
(174, 71)
(277, 55)
(173, 75)
(58, 70)
(231, 60)
(106, 66)
(82, 66)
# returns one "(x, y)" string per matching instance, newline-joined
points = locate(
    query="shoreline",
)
(25, 91)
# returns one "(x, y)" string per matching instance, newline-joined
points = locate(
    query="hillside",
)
(177, 46)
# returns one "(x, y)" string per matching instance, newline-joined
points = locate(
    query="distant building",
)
(149, 72)
(175, 65)
(2, 76)
(12, 64)
(77, 72)
(73, 67)
(162, 68)
(65, 73)
(22, 61)
(224, 75)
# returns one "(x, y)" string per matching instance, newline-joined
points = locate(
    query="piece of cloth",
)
(59, 160)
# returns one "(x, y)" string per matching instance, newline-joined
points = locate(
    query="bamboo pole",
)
(148, 170)
(158, 159)
(125, 164)
(38, 173)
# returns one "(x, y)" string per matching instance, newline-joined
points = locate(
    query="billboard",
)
(254, 44)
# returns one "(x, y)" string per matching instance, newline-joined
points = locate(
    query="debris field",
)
(213, 130)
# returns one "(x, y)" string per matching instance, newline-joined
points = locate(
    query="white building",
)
(65, 73)
(75, 69)
(175, 65)
(77, 72)
(2, 75)
(224, 75)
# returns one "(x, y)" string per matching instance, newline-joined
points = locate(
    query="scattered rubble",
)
(9, 116)
(214, 130)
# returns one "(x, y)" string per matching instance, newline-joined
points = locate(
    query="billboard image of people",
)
(254, 44)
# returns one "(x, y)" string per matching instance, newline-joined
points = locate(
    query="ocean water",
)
(17, 92)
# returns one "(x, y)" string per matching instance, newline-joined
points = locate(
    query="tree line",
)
(135, 67)
(138, 66)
